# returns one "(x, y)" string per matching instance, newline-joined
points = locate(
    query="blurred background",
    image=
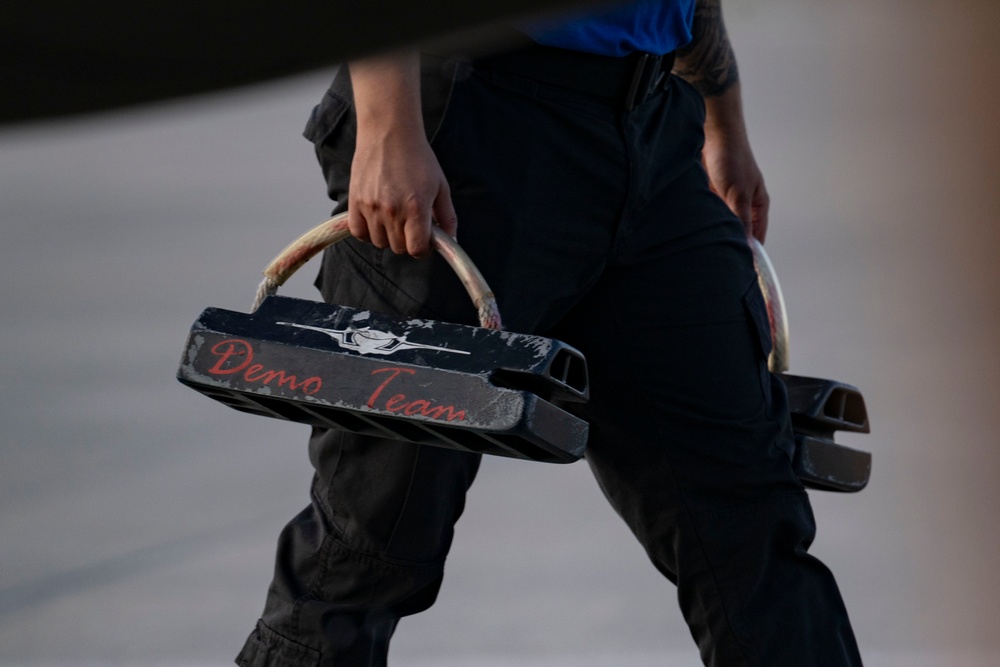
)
(138, 518)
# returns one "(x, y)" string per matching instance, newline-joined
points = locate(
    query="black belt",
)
(631, 79)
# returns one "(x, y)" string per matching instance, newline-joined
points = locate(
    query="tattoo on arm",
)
(708, 62)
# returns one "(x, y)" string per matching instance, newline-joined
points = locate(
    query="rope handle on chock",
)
(304, 248)
(777, 362)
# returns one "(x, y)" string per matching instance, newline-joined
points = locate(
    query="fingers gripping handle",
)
(304, 248)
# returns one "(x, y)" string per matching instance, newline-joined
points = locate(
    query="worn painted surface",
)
(423, 381)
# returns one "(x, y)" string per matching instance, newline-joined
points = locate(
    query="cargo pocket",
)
(332, 128)
(760, 330)
(266, 648)
(771, 385)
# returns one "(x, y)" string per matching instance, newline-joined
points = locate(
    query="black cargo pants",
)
(596, 226)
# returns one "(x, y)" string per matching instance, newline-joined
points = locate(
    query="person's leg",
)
(690, 437)
(367, 551)
(692, 453)
(371, 547)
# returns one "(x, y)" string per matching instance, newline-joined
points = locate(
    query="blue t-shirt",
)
(653, 26)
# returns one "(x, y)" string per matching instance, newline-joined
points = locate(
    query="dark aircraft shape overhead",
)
(61, 57)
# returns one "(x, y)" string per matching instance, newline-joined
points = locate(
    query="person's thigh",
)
(690, 436)
(538, 229)
(676, 337)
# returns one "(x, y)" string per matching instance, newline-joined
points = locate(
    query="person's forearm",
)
(387, 93)
(709, 64)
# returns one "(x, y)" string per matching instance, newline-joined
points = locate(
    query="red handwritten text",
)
(236, 356)
(400, 403)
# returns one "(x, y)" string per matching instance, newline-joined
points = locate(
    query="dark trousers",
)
(595, 226)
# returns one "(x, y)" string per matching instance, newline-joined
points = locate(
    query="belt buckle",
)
(645, 78)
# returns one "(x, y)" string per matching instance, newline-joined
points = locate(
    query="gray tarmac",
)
(138, 518)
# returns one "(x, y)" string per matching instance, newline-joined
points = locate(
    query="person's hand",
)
(397, 188)
(735, 177)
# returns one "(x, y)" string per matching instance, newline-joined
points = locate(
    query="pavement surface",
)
(138, 519)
